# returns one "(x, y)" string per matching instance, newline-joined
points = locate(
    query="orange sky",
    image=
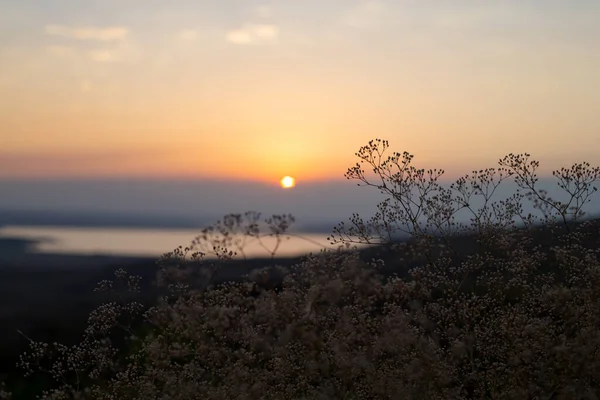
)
(254, 90)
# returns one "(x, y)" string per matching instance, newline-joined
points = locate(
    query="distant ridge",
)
(98, 219)
(102, 219)
(10, 246)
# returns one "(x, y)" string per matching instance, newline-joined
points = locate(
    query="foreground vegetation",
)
(517, 316)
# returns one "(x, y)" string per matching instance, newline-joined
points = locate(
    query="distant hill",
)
(12, 246)
(128, 220)
(97, 219)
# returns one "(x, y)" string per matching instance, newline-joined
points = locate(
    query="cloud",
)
(88, 33)
(254, 34)
(239, 36)
(60, 51)
(364, 15)
(187, 35)
(102, 56)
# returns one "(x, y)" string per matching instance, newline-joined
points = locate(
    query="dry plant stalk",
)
(514, 319)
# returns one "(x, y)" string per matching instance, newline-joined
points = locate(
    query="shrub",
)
(507, 316)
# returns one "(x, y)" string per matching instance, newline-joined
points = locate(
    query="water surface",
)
(151, 242)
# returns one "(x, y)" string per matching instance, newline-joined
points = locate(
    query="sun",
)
(287, 182)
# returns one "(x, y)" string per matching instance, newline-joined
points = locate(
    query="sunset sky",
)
(247, 90)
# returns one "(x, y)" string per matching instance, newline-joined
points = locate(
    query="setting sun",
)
(288, 182)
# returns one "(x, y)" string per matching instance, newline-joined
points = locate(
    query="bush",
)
(507, 316)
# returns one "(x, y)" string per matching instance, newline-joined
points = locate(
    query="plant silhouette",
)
(506, 306)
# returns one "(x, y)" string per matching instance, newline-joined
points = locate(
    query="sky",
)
(244, 90)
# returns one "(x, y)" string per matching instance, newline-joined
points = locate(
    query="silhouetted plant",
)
(4, 394)
(511, 318)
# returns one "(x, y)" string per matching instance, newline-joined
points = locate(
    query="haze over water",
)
(154, 242)
(146, 218)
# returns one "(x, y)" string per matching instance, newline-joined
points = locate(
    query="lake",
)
(149, 242)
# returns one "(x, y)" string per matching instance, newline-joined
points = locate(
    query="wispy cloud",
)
(187, 35)
(60, 51)
(112, 45)
(102, 55)
(106, 34)
(366, 14)
(254, 34)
